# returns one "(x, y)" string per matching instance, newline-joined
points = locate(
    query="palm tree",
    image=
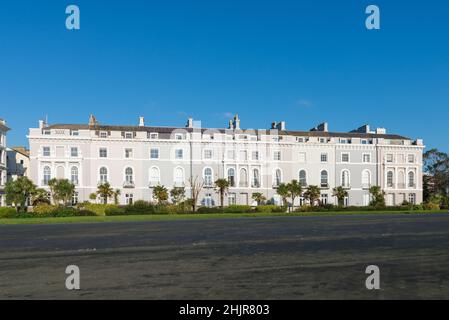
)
(259, 198)
(295, 190)
(341, 194)
(105, 191)
(283, 192)
(222, 185)
(160, 194)
(378, 197)
(40, 196)
(116, 194)
(52, 185)
(312, 194)
(178, 194)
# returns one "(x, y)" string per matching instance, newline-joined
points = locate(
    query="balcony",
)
(324, 185)
(128, 184)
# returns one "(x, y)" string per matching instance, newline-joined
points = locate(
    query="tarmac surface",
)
(244, 258)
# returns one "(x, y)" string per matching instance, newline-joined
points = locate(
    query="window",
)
(256, 179)
(231, 177)
(46, 151)
(366, 179)
(154, 176)
(74, 133)
(243, 178)
(231, 154)
(129, 135)
(345, 157)
(345, 183)
(179, 136)
(243, 155)
(207, 154)
(179, 154)
(255, 155)
(103, 134)
(74, 151)
(323, 140)
(344, 141)
(277, 156)
(364, 141)
(208, 201)
(366, 158)
(103, 175)
(411, 179)
(74, 175)
(47, 132)
(128, 153)
(153, 135)
(103, 153)
(231, 199)
(324, 179)
(179, 177)
(208, 177)
(154, 153)
(412, 198)
(302, 157)
(389, 157)
(129, 198)
(299, 139)
(303, 178)
(324, 157)
(277, 177)
(390, 180)
(75, 199)
(411, 158)
(46, 175)
(129, 177)
(324, 198)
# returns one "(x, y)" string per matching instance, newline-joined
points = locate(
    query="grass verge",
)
(130, 218)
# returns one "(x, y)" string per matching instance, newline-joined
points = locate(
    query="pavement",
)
(243, 258)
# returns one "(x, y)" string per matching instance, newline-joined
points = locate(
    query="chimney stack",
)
(92, 120)
(41, 124)
(236, 122)
(189, 122)
(323, 127)
(141, 122)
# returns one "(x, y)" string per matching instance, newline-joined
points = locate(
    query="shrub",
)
(43, 210)
(431, 206)
(99, 209)
(85, 213)
(140, 207)
(237, 209)
(64, 212)
(6, 212)
(269, 208)
(115, 211)
(209, 210)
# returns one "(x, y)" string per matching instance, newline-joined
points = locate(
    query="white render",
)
(373, 158)
(3, 174)
(18, 162)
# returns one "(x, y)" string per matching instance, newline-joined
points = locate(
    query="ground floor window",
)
(129, 198)
(412, 198)
(231, 199)
(1, 200)
(75, 199)
(366, 199)
(324, 198)
(346, 201)
(302, 201)
(208, 201)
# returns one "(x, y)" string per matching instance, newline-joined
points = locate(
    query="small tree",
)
(378, 197)
(116, 194)
(222, 186)
(64, 190)
(341, 194)
(178, 195)
(40, 196)
(93, 196)
(283, 192)
(105, 191)
(312, 194)
(295, 190)
(18, 191)
(160, 194)
(196, 185)
(259, 198)
(52, 185)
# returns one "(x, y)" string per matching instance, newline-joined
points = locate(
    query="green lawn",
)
(196, 216)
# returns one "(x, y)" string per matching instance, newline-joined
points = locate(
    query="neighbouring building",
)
(3, 175)
(137, 158)
(17, 162)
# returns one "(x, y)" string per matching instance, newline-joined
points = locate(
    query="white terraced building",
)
(136, 158)
(3, 130)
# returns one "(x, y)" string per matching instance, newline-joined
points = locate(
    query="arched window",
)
(324, 179)
(208, 177)
(345, 183)
(179, 177)
(303, 178)
(129, 176)
(74, 175)
(243, 178)
(401, 180)
(277, 177)
(411, 179)
(103, 175)
(46, 175)
(154, 176)
(390, 180)
(231, 177)
(366, 179)
(256, 179)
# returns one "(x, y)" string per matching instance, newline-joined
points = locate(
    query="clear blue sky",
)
(300, 61)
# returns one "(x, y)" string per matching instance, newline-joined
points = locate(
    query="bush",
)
(43, 210)
(6, 212)
(85, 213)
(99, 209)
(269, 208)
(237, 209)
(209, 210)
(140, 207)
(115, 211)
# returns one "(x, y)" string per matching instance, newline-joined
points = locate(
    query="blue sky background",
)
(300, 61)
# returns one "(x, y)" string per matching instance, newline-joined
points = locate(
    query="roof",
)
(171, 129)
(22, 150)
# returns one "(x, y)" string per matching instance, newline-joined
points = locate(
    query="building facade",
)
(137, 158)
(17, 162)
(3, 166)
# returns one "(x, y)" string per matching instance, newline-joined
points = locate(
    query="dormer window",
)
(153, 135)
(103, 134)
(74, 133)
(47, 132)
(129, 135)
(179, 136)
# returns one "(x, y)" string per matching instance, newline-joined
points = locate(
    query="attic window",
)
(74, 133)
(153, 135)
(129, 135)
(47, 132)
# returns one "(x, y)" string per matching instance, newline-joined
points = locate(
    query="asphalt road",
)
(250, 258)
